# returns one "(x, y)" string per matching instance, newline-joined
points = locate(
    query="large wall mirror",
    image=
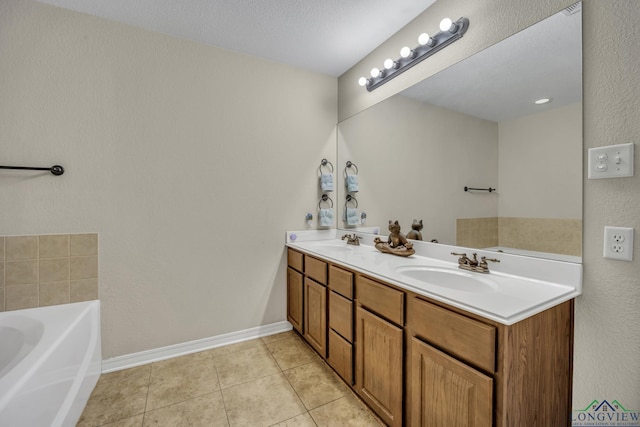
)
(476, 125)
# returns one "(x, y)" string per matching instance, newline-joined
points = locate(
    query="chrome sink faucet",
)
(472, 264)
(352, 239)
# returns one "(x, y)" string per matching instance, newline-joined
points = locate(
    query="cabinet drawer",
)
(295, 260)
(381, 299)
(467, 339)
(315, 269)
(341, 356)
(341, 281)
(341, 315)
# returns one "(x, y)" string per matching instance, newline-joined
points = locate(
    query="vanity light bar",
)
(428, 45)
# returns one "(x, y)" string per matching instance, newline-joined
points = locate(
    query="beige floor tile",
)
(114, 400)
(201, 356)
(292, 352)
(316, 384)
(176, 383)
(127, 422)
(246, 365)
(262, 402)
(140, 375)
(277, 337)
(205, 411)
(232, 348)
(303, 420)
(347, 411)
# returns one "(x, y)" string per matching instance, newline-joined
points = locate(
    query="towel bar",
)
(55, 169)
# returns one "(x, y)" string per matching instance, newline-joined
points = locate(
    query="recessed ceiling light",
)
(542, 101)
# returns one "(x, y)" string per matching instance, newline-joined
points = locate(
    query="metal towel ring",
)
(325, 163)
(349, 165)
(325, 198)
(350, 198)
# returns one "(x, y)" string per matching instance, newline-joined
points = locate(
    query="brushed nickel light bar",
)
(427, 45)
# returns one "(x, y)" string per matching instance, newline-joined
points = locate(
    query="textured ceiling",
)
(326, 36)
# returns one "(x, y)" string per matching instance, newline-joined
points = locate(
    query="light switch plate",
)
(612, 161)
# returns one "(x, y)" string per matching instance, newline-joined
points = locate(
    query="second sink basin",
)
(449, 278)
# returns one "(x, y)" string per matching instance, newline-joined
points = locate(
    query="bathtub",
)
(50, 361)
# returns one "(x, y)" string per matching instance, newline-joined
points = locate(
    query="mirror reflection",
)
(476, 125)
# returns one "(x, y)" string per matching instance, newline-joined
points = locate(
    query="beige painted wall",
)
(540, 175)
(189, 161)
(607, 337)
(414, 160)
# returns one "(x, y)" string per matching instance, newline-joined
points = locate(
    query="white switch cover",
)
(612, 161)
(618, 243)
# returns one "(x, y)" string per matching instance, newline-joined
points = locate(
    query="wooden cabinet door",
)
(379, 365)
(445, 392)
(294, 299)
(340, 356)
(315, 315)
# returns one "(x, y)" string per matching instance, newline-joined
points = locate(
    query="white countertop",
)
(517, 287)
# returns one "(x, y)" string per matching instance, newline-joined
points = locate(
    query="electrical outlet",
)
(618, 243)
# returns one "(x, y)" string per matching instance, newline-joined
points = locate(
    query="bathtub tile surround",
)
(42, 270)
(223, 387)
(552, 235)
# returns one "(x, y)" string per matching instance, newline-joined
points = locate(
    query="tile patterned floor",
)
(271, 381)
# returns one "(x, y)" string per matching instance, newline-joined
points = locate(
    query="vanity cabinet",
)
(447, 389)
(340, 334)
(315, 315)
(416, 361)
(295, 290)
(379, 348)
(307, 298)
(315, 304)
(447, 392)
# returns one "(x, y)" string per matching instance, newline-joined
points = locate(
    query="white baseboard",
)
(136, 359)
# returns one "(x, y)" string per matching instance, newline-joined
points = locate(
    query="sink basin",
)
(449, 278)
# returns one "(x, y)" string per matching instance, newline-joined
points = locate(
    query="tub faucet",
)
(352, 239)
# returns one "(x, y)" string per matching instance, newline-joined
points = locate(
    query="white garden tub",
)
(50, 361)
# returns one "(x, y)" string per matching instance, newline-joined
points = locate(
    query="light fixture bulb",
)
(406, 52)
(375, 72)
(447, 25)
(362, 81)
(542, 101)
(390, 63)
(425, 39)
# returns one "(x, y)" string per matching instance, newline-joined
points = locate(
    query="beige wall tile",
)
(477, 232)
(553, 235)
(83, 290)
(19, 297)
(84, 244)
(54, 269)
(43, 267)
(83, 267)
(53, 246)
(21, 272)
(54, 293)
(21, 247)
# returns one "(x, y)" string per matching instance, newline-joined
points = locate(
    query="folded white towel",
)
(325, 217)
(326, 181)
(352, 216)
(352, 183)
